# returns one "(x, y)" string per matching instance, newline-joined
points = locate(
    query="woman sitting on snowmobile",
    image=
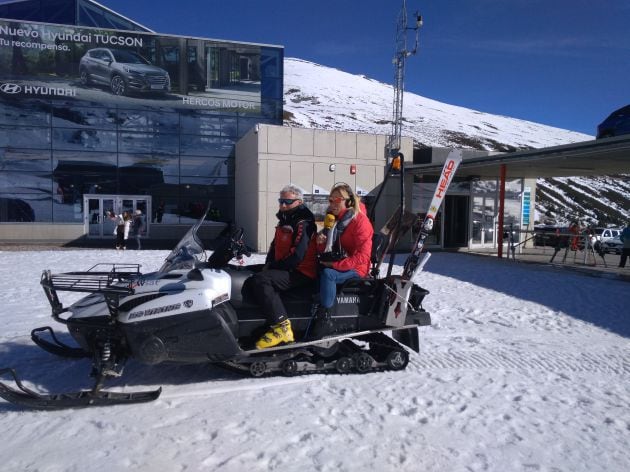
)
(290, 263)
(344, 251)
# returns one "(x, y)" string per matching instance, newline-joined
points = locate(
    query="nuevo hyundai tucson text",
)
(123, 71)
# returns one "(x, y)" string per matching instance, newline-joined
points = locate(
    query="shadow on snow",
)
(599, 301)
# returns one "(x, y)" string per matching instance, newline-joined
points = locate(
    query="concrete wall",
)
(303, 157)
(250, 176)
(34, 232)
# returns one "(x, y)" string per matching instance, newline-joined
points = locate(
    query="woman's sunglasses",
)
(336, 200)
(287, 201)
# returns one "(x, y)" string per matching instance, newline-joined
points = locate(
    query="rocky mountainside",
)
(321, 97)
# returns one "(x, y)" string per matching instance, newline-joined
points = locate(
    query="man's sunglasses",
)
(287, 201)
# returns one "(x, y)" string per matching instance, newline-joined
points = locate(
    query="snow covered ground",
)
(524, 368)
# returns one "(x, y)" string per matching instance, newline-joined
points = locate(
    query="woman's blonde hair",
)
(352, 200)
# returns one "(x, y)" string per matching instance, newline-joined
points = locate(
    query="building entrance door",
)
(456, 221)
(483, 212)
(96, 208)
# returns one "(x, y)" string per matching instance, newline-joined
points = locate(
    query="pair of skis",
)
(413, 264)
(401, 285)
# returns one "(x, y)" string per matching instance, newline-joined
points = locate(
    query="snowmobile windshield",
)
(188, 251)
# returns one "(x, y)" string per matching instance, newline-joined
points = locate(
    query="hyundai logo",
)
(10, 88)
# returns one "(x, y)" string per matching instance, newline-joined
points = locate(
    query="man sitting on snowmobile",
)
(290, 263)
(344, 251)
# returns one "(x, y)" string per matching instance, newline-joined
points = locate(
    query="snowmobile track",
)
(333, 354)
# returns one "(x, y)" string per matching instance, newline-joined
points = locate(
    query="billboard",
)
(111, 67)
(95, 111)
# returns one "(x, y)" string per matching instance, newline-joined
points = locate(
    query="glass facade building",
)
(95, 111)
(68, 12)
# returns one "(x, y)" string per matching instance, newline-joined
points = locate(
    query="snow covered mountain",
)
(321, 97)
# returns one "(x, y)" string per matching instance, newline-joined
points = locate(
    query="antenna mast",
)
(402, 53)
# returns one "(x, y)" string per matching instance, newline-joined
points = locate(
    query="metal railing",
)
(543, 244)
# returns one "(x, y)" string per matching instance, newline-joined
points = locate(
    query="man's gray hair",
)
(294, 190)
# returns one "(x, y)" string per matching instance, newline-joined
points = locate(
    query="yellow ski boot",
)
(280, 333)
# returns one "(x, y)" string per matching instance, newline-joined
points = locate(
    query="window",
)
(207, 146)
(153, 143)
(82, 139)
(148, 121)
(83, 117)
(29, 160)
(31, 113)
(24, 137)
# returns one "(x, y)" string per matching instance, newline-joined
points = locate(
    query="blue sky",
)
(563, 63)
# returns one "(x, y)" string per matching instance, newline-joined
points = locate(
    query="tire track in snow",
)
(548, 361)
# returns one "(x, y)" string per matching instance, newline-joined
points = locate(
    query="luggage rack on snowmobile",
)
(112, 283)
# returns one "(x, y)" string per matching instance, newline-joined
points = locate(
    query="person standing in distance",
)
(625, 239)
(138, 227)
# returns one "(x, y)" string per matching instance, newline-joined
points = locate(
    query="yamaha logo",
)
(348, 299)
(188, 303)
(10, 88)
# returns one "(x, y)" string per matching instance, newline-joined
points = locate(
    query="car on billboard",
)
(124, 72)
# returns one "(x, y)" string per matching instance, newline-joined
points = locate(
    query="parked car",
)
(613, 245)
(122, 71)
(605, 234)
(617, 123)
(609, 238)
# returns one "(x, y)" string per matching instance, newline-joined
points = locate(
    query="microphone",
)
(329, 225)
(329, 221)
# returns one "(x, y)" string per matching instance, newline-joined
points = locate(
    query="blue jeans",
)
(328, 280)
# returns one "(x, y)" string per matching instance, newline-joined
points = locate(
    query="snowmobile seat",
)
(367, 284)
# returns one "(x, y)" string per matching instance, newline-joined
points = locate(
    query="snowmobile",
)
(198, 309)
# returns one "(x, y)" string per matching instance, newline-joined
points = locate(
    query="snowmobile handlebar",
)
(229, 247)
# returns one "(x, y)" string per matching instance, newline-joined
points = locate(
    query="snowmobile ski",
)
(56, 347)
(26, 397)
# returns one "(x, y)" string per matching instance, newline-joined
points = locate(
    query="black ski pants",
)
(266, 288)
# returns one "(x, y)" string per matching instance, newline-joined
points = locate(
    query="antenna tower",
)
(402, 53)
